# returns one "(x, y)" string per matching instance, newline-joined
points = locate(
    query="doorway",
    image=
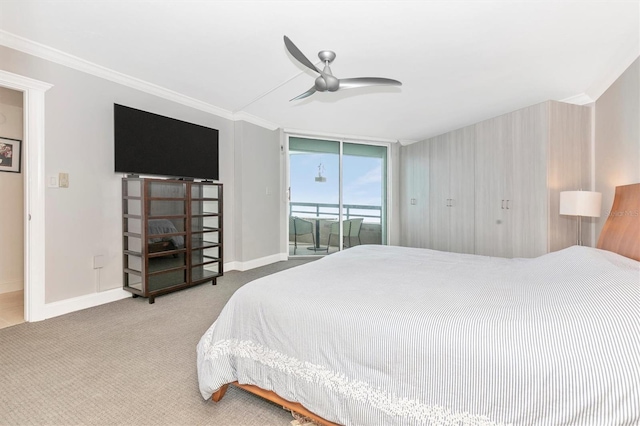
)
(337, 195)
(33, 186)
(11, 208)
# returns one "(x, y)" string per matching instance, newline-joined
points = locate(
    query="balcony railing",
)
(371, 214)
(370, 232)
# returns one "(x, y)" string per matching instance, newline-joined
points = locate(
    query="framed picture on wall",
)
(10, 150)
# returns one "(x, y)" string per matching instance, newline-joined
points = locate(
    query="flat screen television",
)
(151, 144)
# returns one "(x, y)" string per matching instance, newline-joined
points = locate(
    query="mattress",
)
(379, 335)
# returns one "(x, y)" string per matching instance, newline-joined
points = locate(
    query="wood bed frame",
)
(275, 398)
(620, 234)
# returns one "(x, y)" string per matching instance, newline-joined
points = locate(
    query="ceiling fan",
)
(326, 82)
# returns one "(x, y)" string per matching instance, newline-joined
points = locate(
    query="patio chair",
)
(354, 230)
(335, 230)
(298, 227)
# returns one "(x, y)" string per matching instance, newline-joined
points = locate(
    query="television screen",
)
(151, 144)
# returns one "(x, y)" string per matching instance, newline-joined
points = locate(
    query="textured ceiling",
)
(459, 61)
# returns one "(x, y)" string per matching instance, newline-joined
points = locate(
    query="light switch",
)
(63, 180)
(52, 182)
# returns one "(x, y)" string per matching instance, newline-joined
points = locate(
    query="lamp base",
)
(579, 231)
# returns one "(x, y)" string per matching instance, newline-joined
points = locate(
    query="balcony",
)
(322, 216)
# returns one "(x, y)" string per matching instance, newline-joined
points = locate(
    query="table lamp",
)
(580, 204)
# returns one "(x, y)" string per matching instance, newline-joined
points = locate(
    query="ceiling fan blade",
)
(296, 53)
(305, 94)
(350, 83)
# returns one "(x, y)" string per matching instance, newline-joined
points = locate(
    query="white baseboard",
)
(83, 302)
(232, 266)
(9, 286)
(95, 299)
(255, 263)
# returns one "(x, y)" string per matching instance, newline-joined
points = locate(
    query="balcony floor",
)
(305, 250)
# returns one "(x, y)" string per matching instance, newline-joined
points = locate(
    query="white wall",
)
(257, 169)
(84, 219)
(617, 137)
(12, 204)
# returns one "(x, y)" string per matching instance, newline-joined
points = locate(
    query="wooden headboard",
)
(621, 232)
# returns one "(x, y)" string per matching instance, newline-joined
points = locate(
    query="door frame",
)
(341, 140)
(34, 190)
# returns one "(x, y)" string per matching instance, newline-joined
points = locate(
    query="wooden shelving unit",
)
(172, 235)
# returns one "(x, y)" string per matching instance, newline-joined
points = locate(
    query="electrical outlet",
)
(99, 261)
(63, 180)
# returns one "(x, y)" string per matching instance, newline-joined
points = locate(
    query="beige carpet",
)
(125, 363)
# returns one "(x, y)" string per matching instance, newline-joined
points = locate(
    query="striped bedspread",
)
(378, 335)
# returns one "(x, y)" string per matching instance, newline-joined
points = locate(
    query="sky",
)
(362, 179)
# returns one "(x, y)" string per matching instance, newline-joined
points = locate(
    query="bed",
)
(378, 335)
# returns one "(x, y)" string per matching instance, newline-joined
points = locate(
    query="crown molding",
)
(579, 99)
(54, 55)
(245, 116)
(334, 136)
(405, 142)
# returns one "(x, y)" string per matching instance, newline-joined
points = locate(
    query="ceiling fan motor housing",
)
(326, 81)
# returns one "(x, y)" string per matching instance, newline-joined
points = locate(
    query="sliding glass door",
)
(364, 194)
(337, 195)
(314, 194)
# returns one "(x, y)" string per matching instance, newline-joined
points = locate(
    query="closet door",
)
(421, 206)
(462, 190)
(439, 194)
(414, 227)
(406, 182)
(493, 186)
(528, 203)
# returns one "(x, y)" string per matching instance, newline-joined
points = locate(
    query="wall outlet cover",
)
(99, 261)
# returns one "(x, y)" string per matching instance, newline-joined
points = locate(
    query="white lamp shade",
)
(580, 203)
